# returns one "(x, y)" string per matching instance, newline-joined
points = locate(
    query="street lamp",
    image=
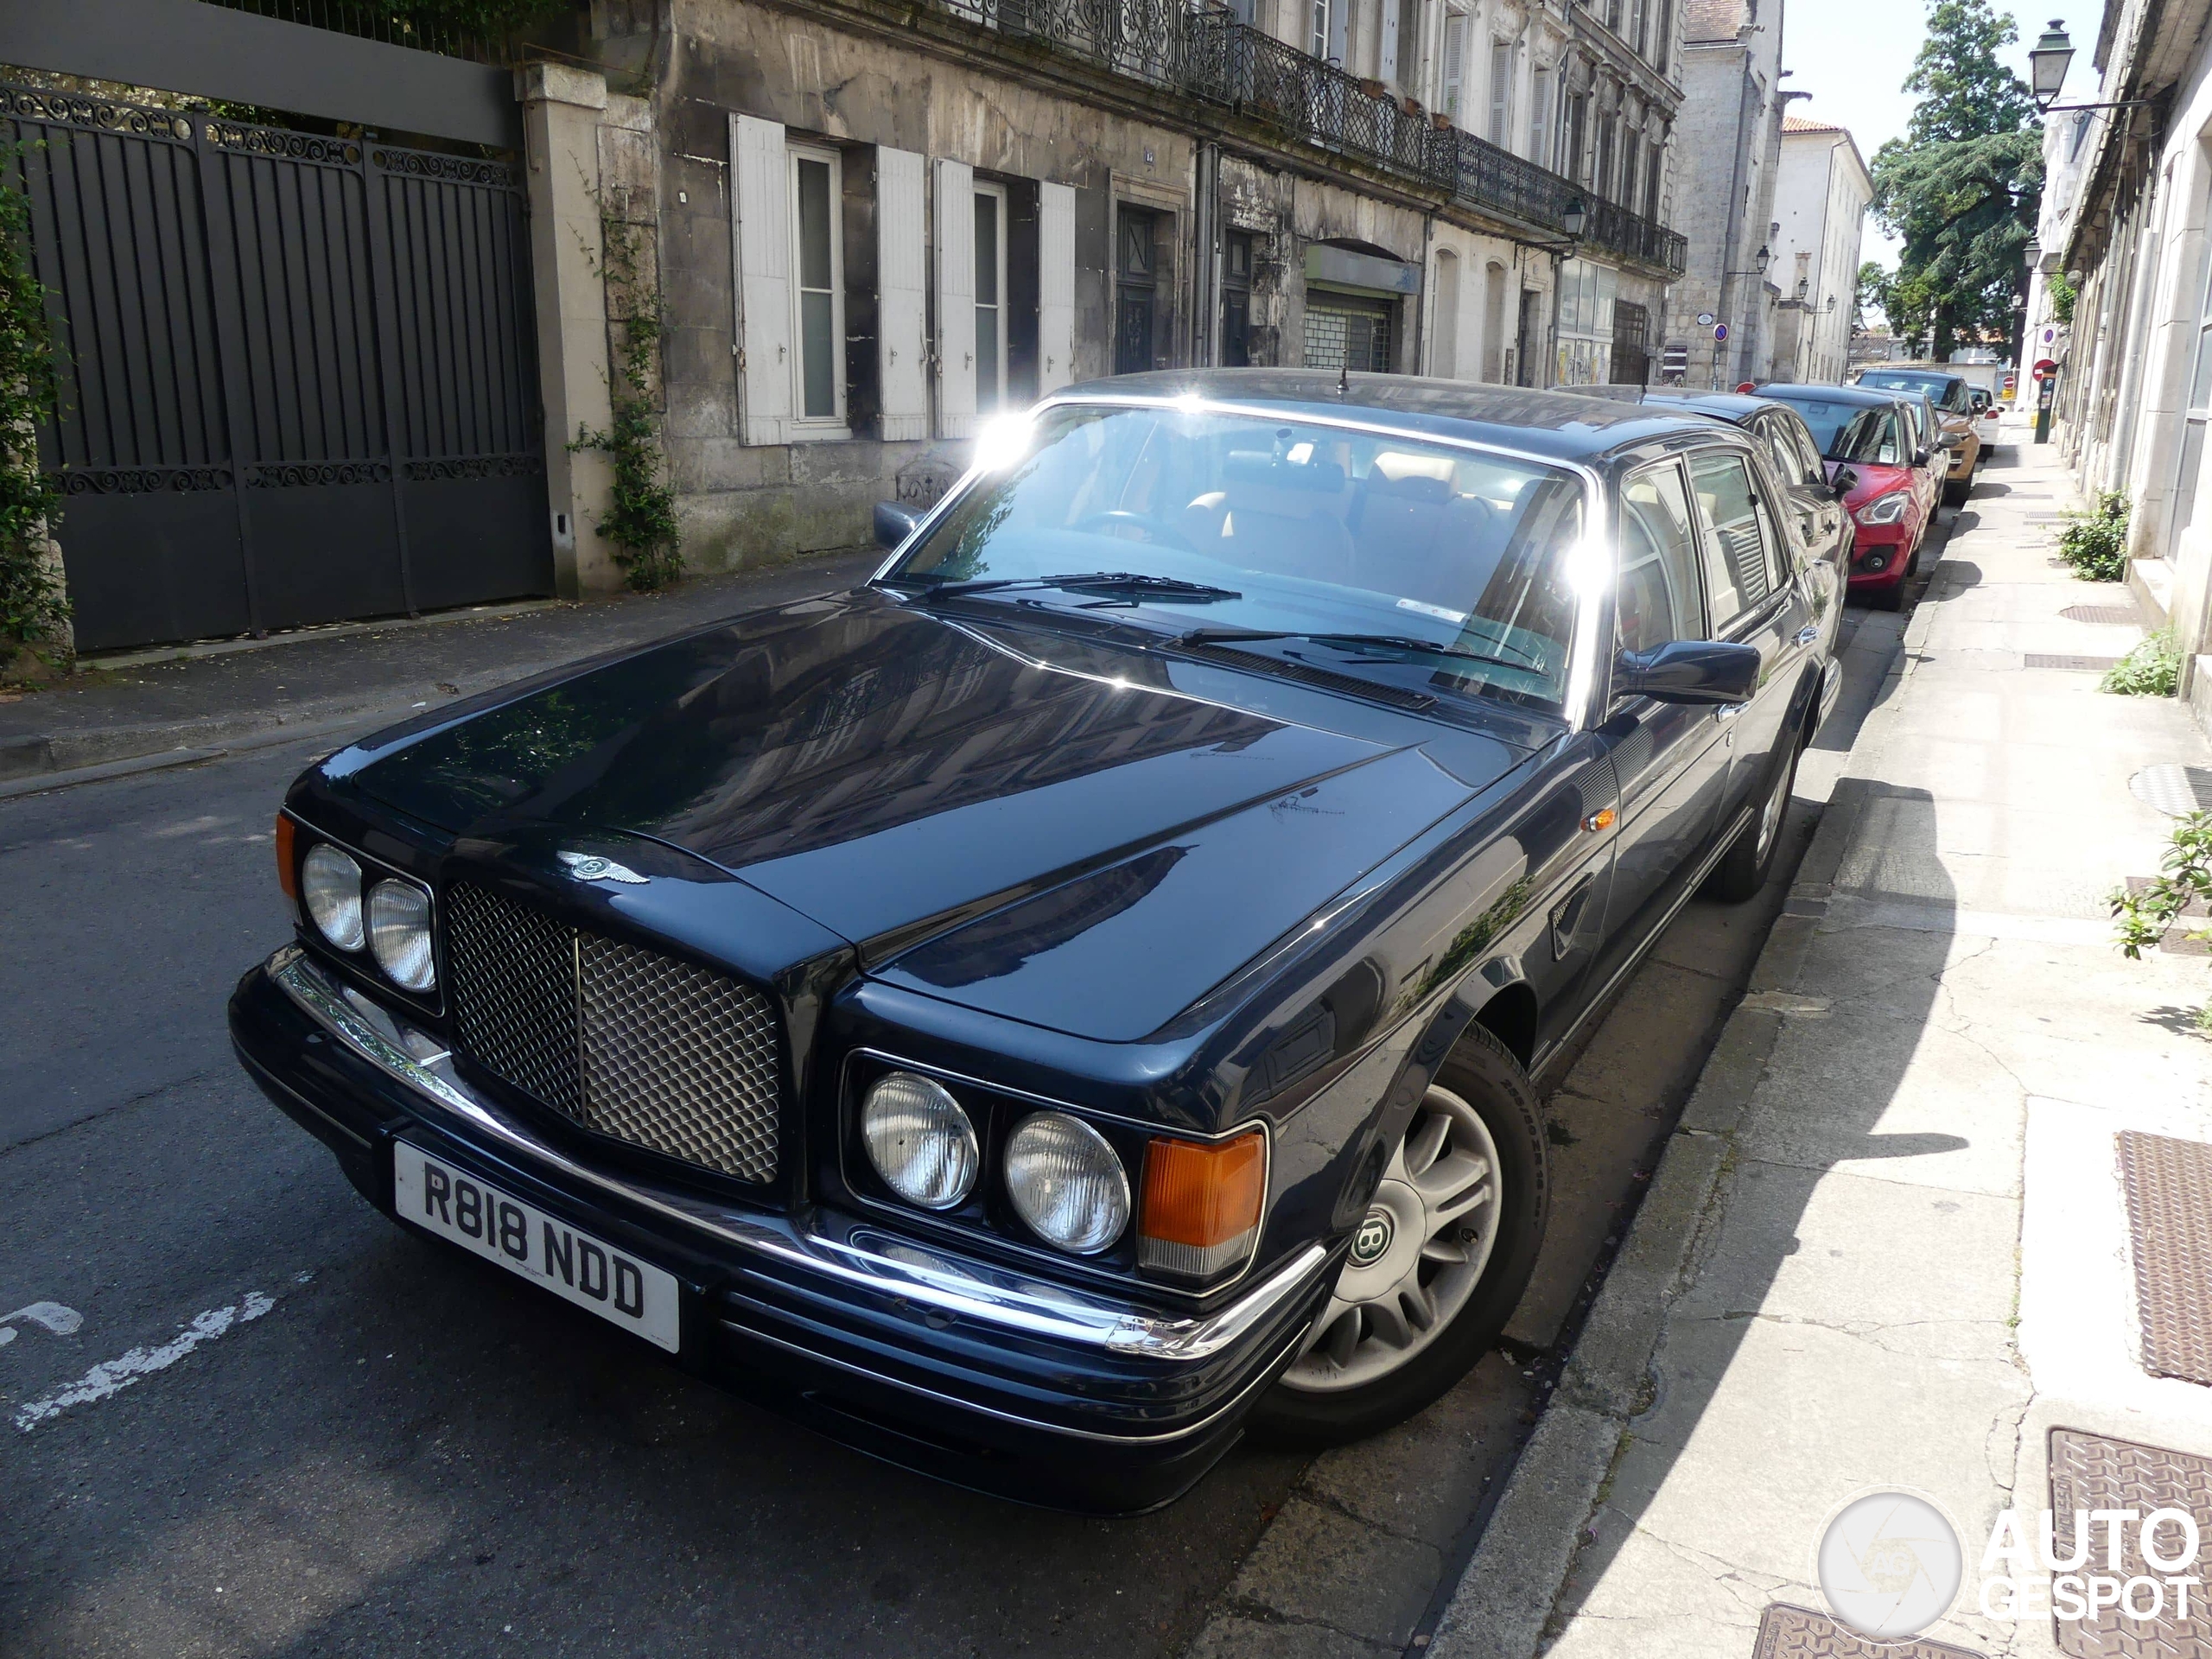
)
(1762, 258)
(2048, 62)
(1572, 217)
(2031, 256)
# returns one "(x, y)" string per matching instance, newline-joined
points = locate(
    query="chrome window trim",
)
(1584, 685)
(1038, 1252)
(951, 1285)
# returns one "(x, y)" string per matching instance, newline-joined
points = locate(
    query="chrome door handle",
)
(1808, 633)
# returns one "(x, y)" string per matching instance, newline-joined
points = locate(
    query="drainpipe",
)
(1205, 324)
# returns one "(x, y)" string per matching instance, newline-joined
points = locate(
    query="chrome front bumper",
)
(928, 1277)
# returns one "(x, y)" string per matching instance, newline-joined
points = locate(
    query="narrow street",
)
(283, 1426)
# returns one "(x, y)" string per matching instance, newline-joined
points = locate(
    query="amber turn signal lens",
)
(1201, 1204)
(287, 872)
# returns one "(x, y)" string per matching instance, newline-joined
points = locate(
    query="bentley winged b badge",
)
(590, 867)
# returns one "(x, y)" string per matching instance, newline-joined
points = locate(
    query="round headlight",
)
(399, 934)
(1066, 1183)
(920, 1140)
(331, 884)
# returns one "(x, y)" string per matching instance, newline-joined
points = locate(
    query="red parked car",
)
(1870, 451)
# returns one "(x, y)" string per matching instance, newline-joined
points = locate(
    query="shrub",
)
(2096, 542)
(2151, 670)
(2184, 876)
(33, 607)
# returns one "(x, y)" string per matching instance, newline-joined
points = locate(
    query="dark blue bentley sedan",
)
(1072, 997)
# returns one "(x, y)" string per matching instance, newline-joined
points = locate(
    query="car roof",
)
(1733, 407)
(1917, 374)
(1863, 396)
(1554, 425)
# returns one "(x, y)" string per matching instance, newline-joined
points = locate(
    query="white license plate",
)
(594, 1275)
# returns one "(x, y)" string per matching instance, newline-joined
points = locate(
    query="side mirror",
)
(1923, 457)
(894, 524)
(1846, 481)
(1688, 670)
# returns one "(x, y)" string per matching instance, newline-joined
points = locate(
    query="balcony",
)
(1209, 55)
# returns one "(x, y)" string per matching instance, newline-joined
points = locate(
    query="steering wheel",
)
(1159, 529)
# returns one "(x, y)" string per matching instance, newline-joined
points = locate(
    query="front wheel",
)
(1744, 869)
(1438, 1263)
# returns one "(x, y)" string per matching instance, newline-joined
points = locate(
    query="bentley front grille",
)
(626, 1041)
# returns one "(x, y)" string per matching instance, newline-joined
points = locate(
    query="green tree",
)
(1872, 278)
(1962, 188)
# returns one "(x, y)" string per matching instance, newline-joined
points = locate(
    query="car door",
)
(1756, 599)
(1668, 758)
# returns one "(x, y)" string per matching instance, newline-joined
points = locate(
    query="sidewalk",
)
(315, 680)
(1887, 1246)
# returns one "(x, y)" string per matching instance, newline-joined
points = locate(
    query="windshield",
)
(1946, 391)
(1296, 528)
(1850, 431)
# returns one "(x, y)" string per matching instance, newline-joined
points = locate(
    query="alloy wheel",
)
(1417, 1254)
(1777, 804)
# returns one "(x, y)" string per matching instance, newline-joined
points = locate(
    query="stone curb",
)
(1505, 1598)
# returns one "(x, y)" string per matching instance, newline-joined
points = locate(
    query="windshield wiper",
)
(1379, 641)
(1127, 582)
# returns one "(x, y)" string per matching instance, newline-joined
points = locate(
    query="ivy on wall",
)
(33, 607)
(640, 516)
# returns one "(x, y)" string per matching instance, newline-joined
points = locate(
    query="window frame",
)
(1501, 92)
(801, 426)
(1001, 340)
(1781, 564)
(1679, 465)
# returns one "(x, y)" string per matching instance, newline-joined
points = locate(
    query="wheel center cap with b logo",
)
(1373, 1238)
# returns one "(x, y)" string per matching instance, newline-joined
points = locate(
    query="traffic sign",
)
(1721, 331)
(1704, 318)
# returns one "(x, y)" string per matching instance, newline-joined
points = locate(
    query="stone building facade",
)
(1820, 196)
(866, 227)
(1731, 146)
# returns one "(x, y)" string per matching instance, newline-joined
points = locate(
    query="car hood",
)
(1045, 830)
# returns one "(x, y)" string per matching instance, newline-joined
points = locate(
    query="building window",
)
(1632, 363)
(1136, 291)
(1452, 100)
(817, 285)
(1631, 171)
(1573, 162)
(1236, 300)
(1587, 295)
(2194, 425)
(990, 297)
(1501, 93)
(1607, 125)
(1655, 173)
(1539, 117)
(1639, 24)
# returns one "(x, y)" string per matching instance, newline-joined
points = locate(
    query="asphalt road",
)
(242, 1413)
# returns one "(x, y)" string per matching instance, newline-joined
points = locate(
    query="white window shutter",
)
(1455, 66)
(1055, 287)
(760, 226)
(956, 300)
(902, 294)
(1387, 69)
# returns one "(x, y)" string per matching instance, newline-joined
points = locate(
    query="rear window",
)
(1844, 431)
(1944, 391)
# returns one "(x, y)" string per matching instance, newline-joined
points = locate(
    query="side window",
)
(1739, 555)
(1891, 450)
(1656, 598)
(1788, 464)
(1808, 453)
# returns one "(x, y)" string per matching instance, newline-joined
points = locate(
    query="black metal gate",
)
(298, 374)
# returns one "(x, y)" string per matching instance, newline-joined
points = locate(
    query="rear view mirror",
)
(1688, 670)
(894, 524)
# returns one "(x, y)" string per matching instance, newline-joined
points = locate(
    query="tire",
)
(1743, 869)
(1338, 1390)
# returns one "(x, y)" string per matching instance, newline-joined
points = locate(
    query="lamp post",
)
(2048, 62)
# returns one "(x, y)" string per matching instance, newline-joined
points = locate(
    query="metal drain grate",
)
(2175, 791)
(2123, 616)
(1787, 1632)
(2168, 1185)
(2073, 664)
(2089, 1473)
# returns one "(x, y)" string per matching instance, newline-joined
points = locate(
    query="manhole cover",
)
(2090, 1472)
(2168, 1184)
(2175, 791)
(2079, 664)
(1787, 1632)
(2110, 615)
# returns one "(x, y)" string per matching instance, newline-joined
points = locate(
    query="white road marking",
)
(112, 1376)
(56, 1319)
